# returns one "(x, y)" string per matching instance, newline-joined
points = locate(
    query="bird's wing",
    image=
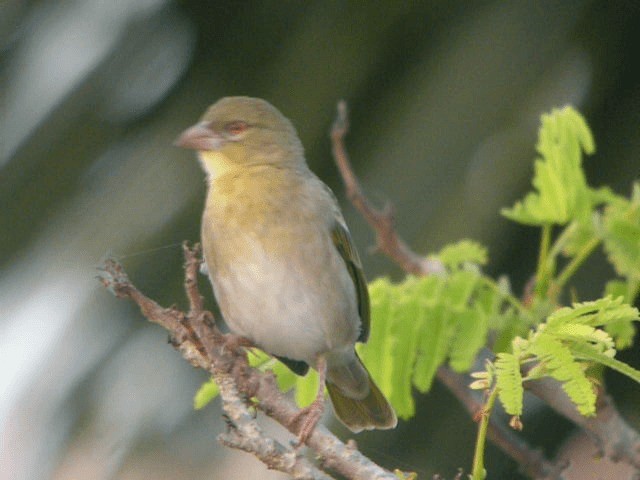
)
(342, 241)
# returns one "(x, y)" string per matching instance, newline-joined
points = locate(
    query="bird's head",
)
(237, 131)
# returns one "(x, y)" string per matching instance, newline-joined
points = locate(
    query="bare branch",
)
(194, 334)
(114, 278)
(382, 221)
(191, 265)
(610, 432)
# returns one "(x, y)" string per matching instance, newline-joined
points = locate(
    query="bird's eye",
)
(236, 128)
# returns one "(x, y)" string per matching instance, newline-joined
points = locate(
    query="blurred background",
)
(445, 99)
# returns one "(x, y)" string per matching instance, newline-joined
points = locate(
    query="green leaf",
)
(409, 318)
(285, 378)
(622, 331)
(405, 475)
(376, 353)
(389, 355)
(507, 326)
(509, 383)
(558, 361)
(586, 353)
(577, 333)
(419, 323)
(595, 313)
(489, 300)
(258, 358)
(465, 251)
(306, 388)
(432, 346)
(615, 289)
(561, 188)
(582, 232)
(621, 222)
(569, 340)
(469, 338)
(381, 292)
(460, 285)
(205, 394)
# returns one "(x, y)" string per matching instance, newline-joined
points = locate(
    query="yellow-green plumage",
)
(284, 270)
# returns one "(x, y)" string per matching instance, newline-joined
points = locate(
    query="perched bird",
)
(284, 270)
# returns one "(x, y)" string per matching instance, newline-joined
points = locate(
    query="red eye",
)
(235, 128)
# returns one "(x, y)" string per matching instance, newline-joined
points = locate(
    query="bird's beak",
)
(199, 137)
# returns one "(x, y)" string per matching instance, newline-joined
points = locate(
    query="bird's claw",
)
(236, 342)
(308, 419)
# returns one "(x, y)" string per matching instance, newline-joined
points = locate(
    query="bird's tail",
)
(370, 411)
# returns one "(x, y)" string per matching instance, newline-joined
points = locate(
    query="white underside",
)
(298, 309)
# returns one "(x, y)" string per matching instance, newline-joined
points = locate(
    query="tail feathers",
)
(368, 413)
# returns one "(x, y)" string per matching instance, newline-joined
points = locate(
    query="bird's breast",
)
(277, 276)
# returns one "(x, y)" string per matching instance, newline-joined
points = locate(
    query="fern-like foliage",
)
(557, 362)
(562, 192)
(622, 331)
(509, 382)
(620, 233)
(562, 347)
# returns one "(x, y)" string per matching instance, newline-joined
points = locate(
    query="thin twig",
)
(382, 221)
(191, 266)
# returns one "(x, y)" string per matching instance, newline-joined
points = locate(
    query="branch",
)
(609, 431)
(197, 338)
(381, 221)
(389, 243)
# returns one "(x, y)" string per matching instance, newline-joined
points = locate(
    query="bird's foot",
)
(307, 419)
(236, 342)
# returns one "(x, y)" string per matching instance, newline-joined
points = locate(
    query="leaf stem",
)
(576, 262)
(511, 299)
(542, 273)
(562, 239)
(479, 472)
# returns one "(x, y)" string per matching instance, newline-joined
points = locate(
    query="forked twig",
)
(195, 335)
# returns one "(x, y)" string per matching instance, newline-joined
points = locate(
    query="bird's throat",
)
(216, 164)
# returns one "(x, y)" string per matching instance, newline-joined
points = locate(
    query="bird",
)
(284, 269)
